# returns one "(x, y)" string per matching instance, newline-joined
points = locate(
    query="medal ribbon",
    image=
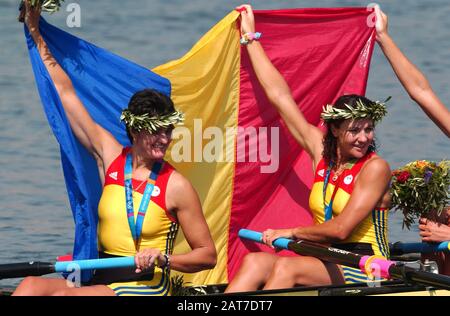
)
(328, 208)
(136, 228)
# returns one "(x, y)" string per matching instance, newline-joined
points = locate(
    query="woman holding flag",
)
(135, 175)
(350, 194)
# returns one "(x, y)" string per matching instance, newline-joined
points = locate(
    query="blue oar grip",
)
(94, 264)
(423, 247)
(281, 243)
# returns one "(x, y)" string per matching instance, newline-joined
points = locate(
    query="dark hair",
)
(330, 141)
(149, 101)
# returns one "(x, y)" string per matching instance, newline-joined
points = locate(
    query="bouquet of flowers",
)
(420, 189)
(51, 6)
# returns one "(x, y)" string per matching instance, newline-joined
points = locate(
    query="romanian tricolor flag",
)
(246, 167)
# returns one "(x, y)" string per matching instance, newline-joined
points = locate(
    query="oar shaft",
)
(325, 253)
(420, 277)
(19, 270)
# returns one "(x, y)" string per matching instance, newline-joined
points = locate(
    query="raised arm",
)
(307, 135)
(412, 79)
(96, 139)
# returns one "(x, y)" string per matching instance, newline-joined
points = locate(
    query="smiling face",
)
(354, 138)
(144, 104)
(153, 146)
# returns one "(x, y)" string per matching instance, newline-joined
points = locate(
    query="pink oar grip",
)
(377, 265)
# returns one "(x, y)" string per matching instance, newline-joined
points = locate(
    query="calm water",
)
(35, 220)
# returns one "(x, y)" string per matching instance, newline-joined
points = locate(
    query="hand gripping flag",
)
(246, 167)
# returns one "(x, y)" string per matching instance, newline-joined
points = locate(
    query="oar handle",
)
(281, 243)
(417, 247)
(95, 264)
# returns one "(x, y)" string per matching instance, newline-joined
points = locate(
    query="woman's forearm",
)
(409, 75)
(271, 80)
(416, 84)
(197, 260)
(325, 233)
(58, 75)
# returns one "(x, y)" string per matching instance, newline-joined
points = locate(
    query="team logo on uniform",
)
(348, 179)
(321, 172)
(113, 175)
(156, 191)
